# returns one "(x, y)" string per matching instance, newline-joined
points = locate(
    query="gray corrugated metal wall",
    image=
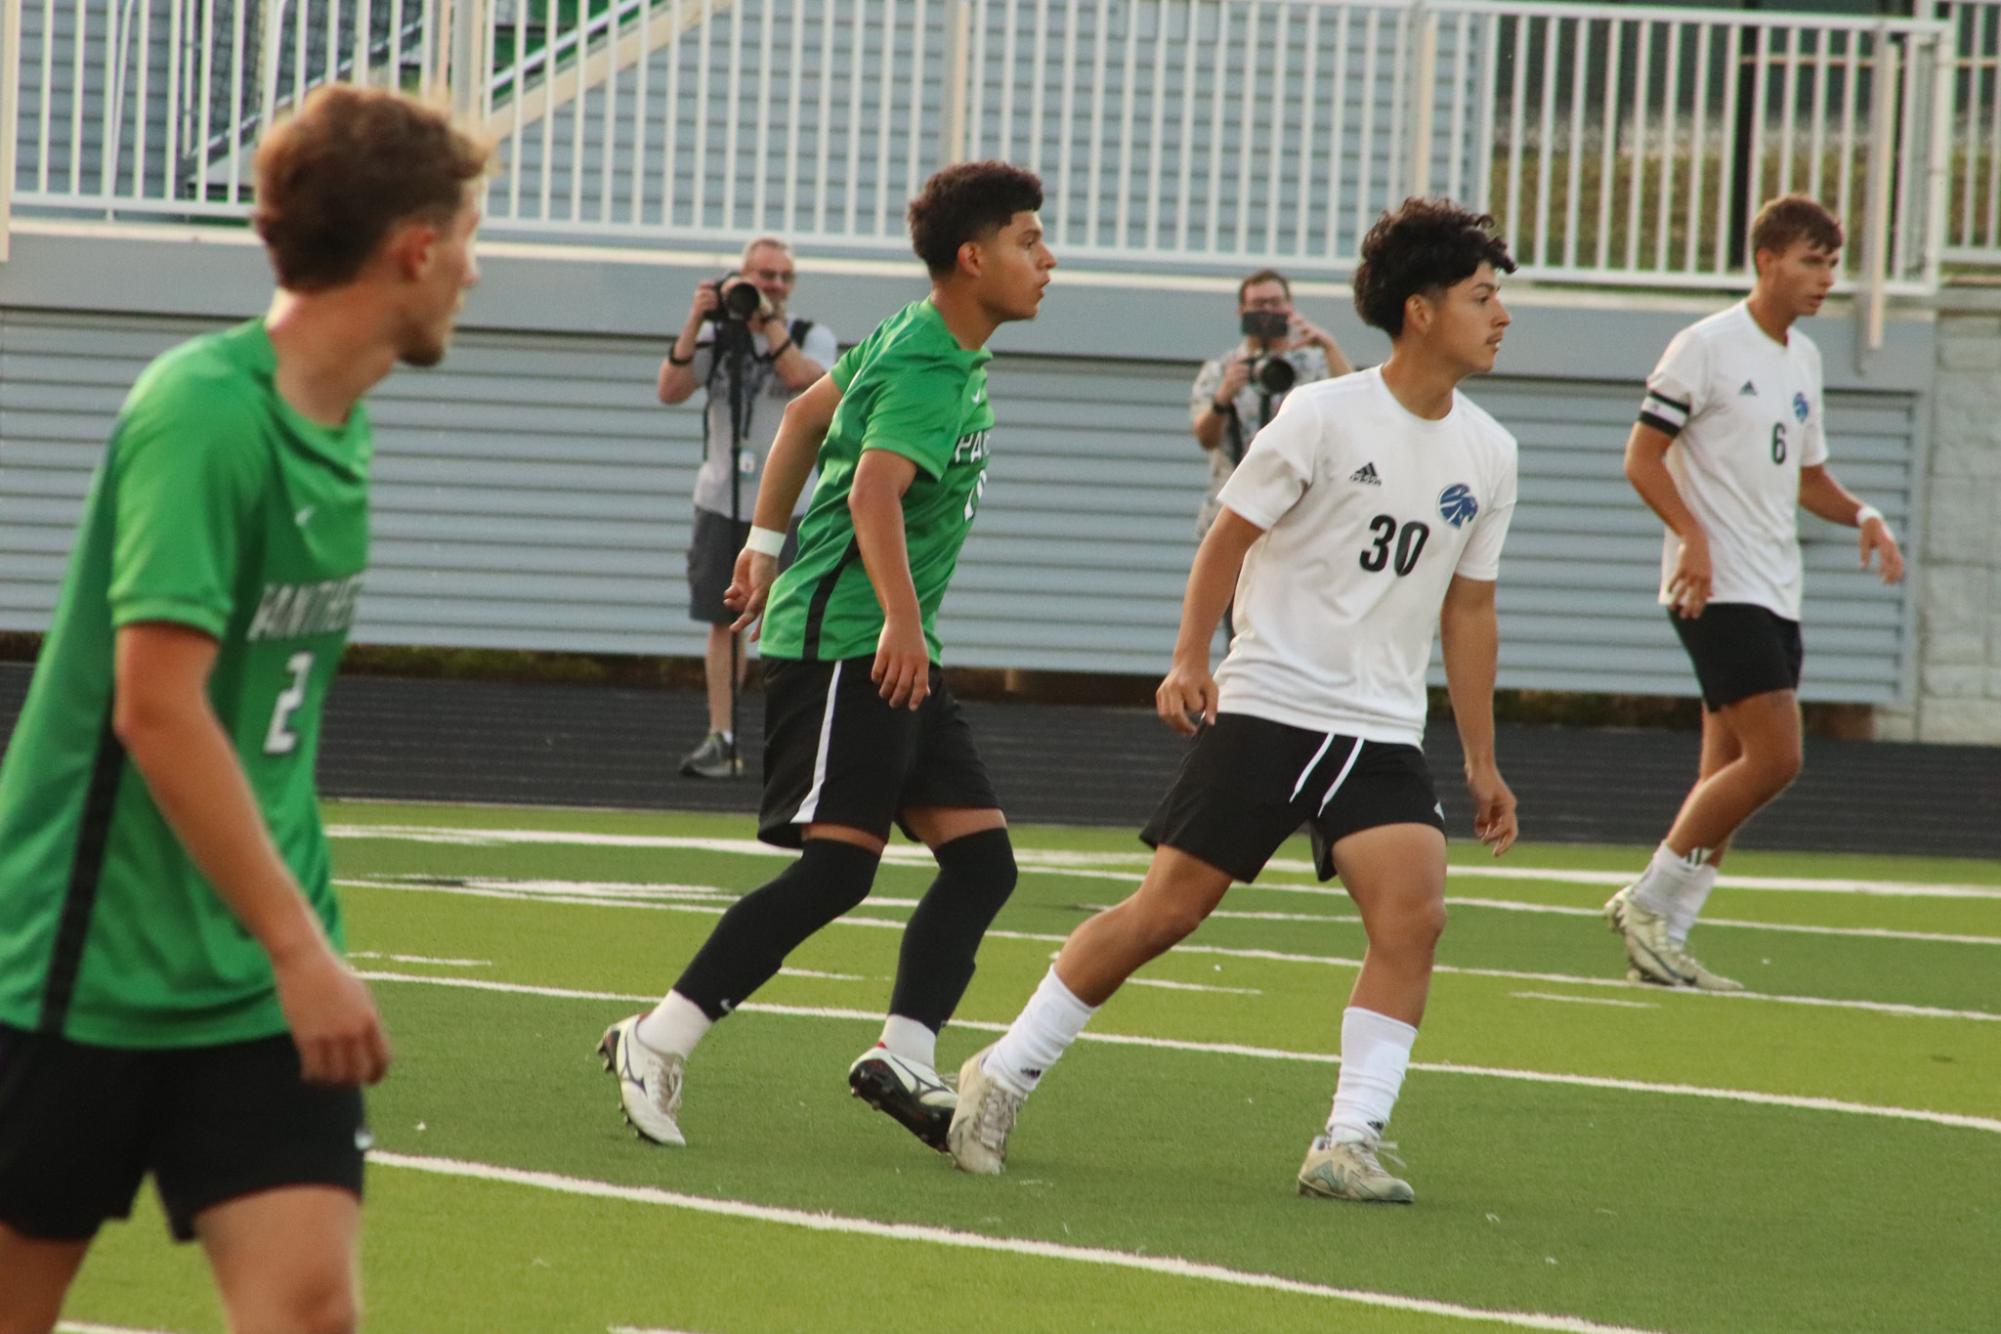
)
(531, 493)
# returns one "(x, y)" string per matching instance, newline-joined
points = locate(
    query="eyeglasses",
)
(785, 276)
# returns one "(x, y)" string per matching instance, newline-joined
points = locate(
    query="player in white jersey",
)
(1729, 445)
(1371, 510)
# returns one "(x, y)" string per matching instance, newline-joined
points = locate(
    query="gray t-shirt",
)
(767, 395)
(1253, 411)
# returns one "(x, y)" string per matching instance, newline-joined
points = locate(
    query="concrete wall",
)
(1957, 696)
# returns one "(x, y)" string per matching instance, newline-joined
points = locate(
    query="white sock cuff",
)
(1373, 1026)
(1053, 992)
(911, 1040)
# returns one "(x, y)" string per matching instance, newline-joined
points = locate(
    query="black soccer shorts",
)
(835, 752)
(1248, 784)
(1739, 650)
(81, 1126)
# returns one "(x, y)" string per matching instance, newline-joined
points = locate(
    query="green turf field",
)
(1823, 1155)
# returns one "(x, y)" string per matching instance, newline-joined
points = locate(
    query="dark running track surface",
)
(603, 746)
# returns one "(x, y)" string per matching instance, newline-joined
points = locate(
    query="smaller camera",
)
(1267, 325)
(1273, 375)
(740, 299)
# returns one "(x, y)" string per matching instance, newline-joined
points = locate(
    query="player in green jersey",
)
(860, 730)
(172, 998)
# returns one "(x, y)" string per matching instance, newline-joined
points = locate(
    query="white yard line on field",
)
(855, 920)
(421, 958)
(1056, 861)
(1584, 1000)
(1165, 985)
(1798, 1102)
(1167, 1266)
(86, 1327)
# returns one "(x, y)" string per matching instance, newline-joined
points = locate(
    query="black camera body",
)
(1266, 325)
(739, 300)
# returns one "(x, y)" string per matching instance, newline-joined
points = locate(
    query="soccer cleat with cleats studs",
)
(909, 1093)
(649, 1082)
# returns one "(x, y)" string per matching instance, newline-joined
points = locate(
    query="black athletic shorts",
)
(835, 752)
(713, 546)
(80, 1126)
(1248, 784)
(1739, 650)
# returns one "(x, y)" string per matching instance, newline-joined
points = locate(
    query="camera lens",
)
(741, 300)
(1275, 375)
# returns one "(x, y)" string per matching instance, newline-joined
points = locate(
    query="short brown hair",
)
(333, 179)
(965, 202)
(1421, 248)
(1791, 218)
(1263, 276)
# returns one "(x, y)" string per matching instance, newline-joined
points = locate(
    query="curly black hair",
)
(965, 202)
(1422, 246)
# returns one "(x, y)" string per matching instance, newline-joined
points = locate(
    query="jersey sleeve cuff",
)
(1249, 513)
(210, 620)
(930, 467)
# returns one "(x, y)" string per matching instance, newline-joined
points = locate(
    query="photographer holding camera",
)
(1236, 393)
(740, 343)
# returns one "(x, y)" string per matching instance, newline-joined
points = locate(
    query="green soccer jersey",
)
(912, 390)
(220, 508)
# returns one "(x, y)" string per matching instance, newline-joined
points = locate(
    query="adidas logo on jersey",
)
(1366, 475)
(1748, 391)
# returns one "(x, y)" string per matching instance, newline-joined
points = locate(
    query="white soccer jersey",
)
(1745, 413)
(1369, 511)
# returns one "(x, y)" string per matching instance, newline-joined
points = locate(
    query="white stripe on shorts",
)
(1303, 773)
(808, 807)
(1354, 753)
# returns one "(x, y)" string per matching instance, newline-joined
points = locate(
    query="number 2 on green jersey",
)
(280, 739)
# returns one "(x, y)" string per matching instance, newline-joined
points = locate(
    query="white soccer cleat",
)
(983, 1120)
(909, 1092)
(649, 1082)
(1615, 911)
(1350, 1170)
(1648, 948)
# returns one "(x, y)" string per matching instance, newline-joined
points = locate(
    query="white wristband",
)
(765, 541)
(1867, 512)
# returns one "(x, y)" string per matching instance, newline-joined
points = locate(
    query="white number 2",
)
(979, 493)
(281, 740)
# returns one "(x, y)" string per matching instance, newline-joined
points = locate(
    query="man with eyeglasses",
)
(785, 357)
(1236, 393)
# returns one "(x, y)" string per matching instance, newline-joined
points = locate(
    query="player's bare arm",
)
(1822, 495)
(1647, 470)
(902, 659)
(1469, 636)
(789, 464)
(1188, 692)
(163, 718)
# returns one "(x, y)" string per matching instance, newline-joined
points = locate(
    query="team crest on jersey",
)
(1456, 504)
(1800, 406)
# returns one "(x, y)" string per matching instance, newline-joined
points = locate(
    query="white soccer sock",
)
(674, 1026)
(1688, 901)
(910, 1040)
(1043, 1031)
(1375, 1052)
(1666, 877)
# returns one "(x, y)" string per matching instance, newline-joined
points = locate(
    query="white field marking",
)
(86, 1327)
(1274, 956)
(824, 977)
(634, 1329)
(1584, 1000)
(1191, 986)
(1059, 862)
(1562, 910)
(420, 958)
(1168, 1266)
(1799, 1102)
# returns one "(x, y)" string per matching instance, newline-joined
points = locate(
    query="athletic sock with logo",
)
(1375, 1052)
(1043, 1031)
(1667, 876)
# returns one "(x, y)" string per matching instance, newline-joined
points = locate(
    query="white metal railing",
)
(1973, 210)
(1617, 144)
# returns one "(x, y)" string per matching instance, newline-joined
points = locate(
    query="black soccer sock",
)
(975, 876)
(765, 925)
